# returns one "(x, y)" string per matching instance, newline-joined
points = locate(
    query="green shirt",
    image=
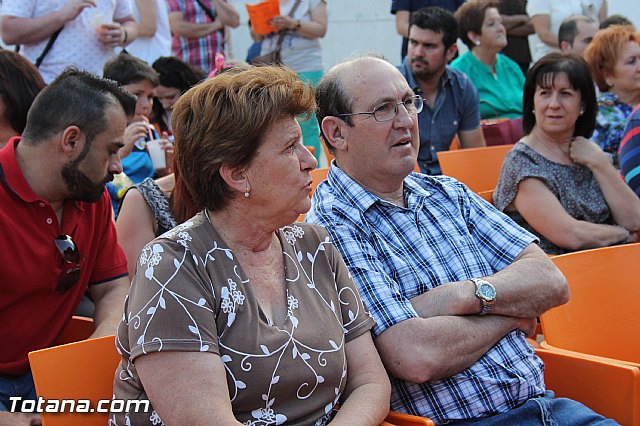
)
(500, 96)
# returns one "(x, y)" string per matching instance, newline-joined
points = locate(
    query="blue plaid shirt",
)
(446, 234)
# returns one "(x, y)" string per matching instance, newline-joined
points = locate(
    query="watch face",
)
(487, 291)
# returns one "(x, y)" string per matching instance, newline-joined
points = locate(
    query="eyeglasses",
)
(71, 266)
(389, 110)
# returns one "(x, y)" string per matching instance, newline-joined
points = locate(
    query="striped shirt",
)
(629, 154)
(445, 234)
(201, 51)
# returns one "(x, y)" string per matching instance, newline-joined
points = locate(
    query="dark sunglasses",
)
(71, 265)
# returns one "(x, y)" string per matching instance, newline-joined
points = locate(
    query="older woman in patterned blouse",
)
(557, 183)
(614, 59)
(239, 315)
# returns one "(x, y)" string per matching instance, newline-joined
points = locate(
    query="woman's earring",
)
(477, 42)
(581, 111)
(246, 194)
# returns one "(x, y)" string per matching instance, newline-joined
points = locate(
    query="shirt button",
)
(49, 221)
(41, 204)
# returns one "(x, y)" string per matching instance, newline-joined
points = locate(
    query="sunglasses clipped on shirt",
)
(70, 265)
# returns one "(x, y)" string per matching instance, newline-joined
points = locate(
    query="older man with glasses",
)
(454, 286)
(58, 237)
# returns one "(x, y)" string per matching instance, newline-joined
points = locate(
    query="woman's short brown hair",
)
(470, 17)
(222, 121)
(605, 49)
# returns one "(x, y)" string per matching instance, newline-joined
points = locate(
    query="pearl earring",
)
(477, 42)
(246, 194)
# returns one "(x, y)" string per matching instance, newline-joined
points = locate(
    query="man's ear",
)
(565, 46)
(334, 130)
(235, 177)
(451, 52)
(72, 141)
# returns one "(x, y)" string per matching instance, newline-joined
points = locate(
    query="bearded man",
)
(58, 237)
(451, 101)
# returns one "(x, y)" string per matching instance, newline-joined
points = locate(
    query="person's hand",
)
(166, 144)
(528, 325)
(284, 22)
(19, 419)
(111, 35)
(587, 153)
(134, 131)
(72, 8)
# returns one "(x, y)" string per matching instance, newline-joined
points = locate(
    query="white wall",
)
(628, 8)
(354, 25)
(367, 25)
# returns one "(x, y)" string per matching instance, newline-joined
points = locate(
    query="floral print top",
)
(191, 294)
(610, 121)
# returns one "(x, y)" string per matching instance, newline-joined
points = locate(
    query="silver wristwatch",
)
(486, 293)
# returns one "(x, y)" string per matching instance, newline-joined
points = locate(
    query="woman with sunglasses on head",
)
(225, 307)
(557, 183)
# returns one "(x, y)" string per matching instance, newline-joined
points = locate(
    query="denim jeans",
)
(544, 411)
(21, 386)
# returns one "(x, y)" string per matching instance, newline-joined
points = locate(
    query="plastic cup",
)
(157, 154)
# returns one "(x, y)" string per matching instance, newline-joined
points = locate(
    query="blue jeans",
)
(21, 386)
(544, 411)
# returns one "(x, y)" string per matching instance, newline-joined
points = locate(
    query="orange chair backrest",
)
(487, 195)
(602, 316)
(608, 387)
(478, 168)
(81, 370)
(79, 328)
(402, 419)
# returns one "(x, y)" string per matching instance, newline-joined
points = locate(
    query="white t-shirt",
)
(558, 11)
(78, 42)
(299, 53)
(151, 48)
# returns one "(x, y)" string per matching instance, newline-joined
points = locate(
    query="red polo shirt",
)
(32, 314)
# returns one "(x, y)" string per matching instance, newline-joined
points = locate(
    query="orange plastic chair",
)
(401, 419)
(79, 328)
(478, 168)
(602, 316)
(487, 195)
(455, 143)
(607, 386)
(81, 370)
(318, 175)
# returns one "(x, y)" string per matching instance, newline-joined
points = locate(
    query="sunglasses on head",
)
(70, 265)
